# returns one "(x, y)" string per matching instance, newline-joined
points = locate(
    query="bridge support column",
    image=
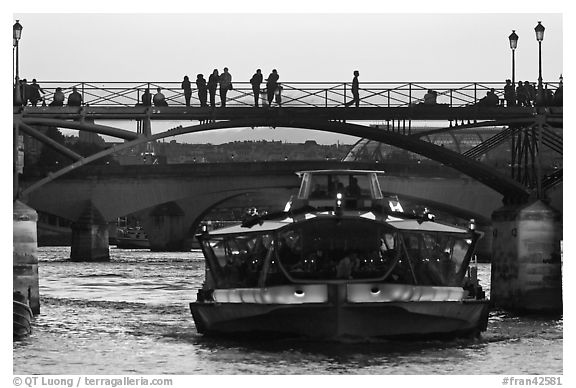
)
(25, 259)
(166, 228)
(526, 264)
(90, 237)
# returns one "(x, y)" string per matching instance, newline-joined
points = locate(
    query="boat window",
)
(349, 185)
(329, 250)
(237, 260)
(304, 186)
(436, 258)
(377, 192)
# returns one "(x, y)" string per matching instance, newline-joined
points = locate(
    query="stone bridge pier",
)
(90, 236)
(526, 273)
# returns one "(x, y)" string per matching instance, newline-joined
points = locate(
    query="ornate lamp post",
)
(539, 29)
(513, 44)
(17, 33)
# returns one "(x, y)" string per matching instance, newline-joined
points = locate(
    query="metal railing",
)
(294, 94)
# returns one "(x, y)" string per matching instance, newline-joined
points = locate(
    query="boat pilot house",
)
(338, 229)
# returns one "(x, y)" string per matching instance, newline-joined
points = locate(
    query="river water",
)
(131, 316)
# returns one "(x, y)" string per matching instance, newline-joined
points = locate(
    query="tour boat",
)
(340, 261)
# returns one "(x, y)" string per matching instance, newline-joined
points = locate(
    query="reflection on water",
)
(131, 316)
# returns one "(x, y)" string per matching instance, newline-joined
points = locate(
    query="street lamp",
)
(513, 44)
(17, 33)
(539, 29)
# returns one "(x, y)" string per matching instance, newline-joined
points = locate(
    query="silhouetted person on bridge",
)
(522, 95)
(430, 97)
(212, 86)
(186, 86)
(278, 94)
(225, 85)
(58, 99)
(24, 90)
(202, 90)
(509, 93)
(159, 98)
(355, 90)
(530, 93)
(34, 91)
(255, 81)
(491, 99)
(558, 95)
(271, 85)
(74, 98)
(146, 98)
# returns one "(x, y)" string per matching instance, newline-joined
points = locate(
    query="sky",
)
(303, 43)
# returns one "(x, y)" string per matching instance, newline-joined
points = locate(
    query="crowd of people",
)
(526, 94)
(25, 93)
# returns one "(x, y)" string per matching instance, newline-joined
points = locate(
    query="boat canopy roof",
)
(407, 225)
(426, 226)
(267, 226)
(339, 171)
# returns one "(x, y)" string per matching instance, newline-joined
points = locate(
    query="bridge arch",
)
(484, 174)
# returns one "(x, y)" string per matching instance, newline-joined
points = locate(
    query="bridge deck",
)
(417, 112)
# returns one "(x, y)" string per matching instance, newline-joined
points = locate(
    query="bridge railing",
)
(294, 94)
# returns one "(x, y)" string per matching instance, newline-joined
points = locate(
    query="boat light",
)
(339, 200)
(472, 225)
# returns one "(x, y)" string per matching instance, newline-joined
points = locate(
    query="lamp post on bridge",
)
(513, 44)
(17, 33)
(539, 29)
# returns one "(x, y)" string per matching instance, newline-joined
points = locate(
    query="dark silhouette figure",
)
(557, 100)
(278, 94)
(530, 93)
(353, 189)
(491, 99)
(58, 99)
(522, 95)
(186, 86)
(202, 90)
(355, 91)
(74, 98)
(24, 90)
(34, 91)
(146, 98)
(225, 85)
(212, 86)
(430, 97)
(255, 81)
(159, 98)
(271, 85)
(509, 93)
